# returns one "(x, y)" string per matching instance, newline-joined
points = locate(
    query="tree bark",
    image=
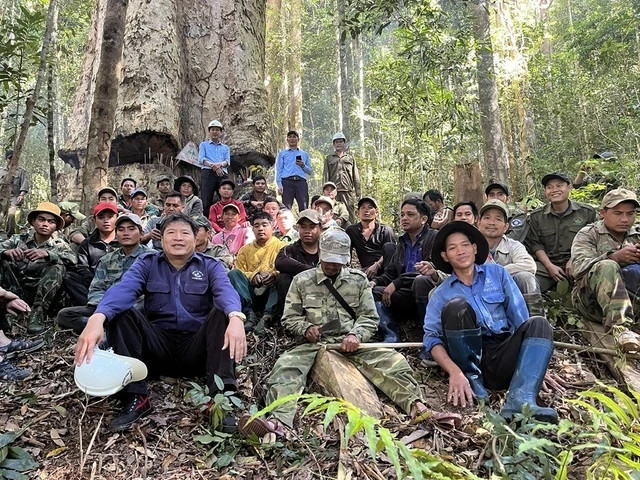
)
(343, 80)
(31, 103)
(294, 64)
(492, 138)
(103, 109)
(51, 105)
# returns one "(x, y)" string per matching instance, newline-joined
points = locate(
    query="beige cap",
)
(311, 215)
(617, 196)
(498, 204)
(324, 199)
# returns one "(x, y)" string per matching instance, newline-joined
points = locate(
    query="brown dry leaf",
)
(141, 450)
(24, 409)
(55, 436)
(169, 459)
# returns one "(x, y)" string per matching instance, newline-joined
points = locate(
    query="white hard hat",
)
(339, 136)
(215, 123)
(108, 373)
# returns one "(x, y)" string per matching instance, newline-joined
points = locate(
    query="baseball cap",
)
(139, 191)
(232, 206)
(499, 185)
(107, 189)
(619, 195)
(329, 184)
(439, 244)
(162, 178)
(226, 181)
(108, 373)
(497, 204)
(72, 209)
(324, 199)
(102, 206)
(367, 199)
(131, 179)
(553, 176)
(202, 221)
(311, 215)
(129, 217)
(335, 246)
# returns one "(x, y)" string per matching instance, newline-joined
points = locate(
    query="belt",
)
(295, 178)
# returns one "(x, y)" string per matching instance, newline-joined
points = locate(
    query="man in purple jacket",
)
(192, 323)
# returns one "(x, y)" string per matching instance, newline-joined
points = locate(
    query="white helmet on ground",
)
(215, 123)
(108, 373)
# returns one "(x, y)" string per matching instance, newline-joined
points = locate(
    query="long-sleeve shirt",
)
(594, 242)
(193, 206)
(494, 296)
(90, 251)
(59, 252)
(215, 213)
(214, 152)
(234, 239)
(254, 258)
(173, 300)
(309, 303)
(286, 165)
(293, 259)
(369, 250)
(109, 271)
(343, 172)
(513, 256)
(20, 181)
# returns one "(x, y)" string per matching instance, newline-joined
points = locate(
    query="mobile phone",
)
(298, 157)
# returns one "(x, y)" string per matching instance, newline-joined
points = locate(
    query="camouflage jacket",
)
(309, 302)
(110, 270)
(221, 253)
(594, 242)
(59, 252)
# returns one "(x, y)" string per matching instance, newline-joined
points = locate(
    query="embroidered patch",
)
(516, 222)
(578, 221)
(197, 275)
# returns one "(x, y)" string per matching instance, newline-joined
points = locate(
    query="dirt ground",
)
(65, 430)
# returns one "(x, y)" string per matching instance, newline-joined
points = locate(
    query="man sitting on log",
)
(606, 265)
(478, 329)
(318, 314)
(190, 326)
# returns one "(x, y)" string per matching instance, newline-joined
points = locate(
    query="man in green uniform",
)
(340, 168)
(313, 312)
(552, 228)
(33, 265)
(606, 264)
(205, 247)
(19, 189)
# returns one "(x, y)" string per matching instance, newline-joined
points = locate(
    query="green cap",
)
(497, 204)
(72, 209)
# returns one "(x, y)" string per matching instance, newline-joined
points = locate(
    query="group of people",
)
(159, 281)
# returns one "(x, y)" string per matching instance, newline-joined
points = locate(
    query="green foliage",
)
(14, 461)
(560, 311)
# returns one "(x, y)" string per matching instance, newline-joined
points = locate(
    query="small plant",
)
(559, 308)
(14, 461)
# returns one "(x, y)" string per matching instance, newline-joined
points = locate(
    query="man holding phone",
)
(292, 167)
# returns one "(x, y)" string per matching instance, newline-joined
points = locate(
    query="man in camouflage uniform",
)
(108, 271)
(312, 312)
(19, 188)
(606, 265)
(33, 265)
(163, 185)
(552, 228)
(340, 168)
(205, 247)
(70, 212)
(340, 210)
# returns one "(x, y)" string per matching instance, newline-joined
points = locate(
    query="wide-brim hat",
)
(458, 227)
(108, 373)
(50, 208)
(185, 178)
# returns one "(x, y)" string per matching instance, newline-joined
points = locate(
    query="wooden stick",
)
(568, 346)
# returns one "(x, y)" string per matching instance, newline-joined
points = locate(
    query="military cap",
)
(311, 215)
(499, 185)
(497, 204)
(107, 189)
(368, 199)
(72, 209)
(162, 178)
(555, 176)
(617, 196)
(203, 221)
(324, 199)
(335, 246)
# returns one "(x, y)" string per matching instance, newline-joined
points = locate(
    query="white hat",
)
(108, 373)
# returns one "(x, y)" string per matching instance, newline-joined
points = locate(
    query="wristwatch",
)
(240, 315)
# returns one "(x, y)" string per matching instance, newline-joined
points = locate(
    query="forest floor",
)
(64, 430)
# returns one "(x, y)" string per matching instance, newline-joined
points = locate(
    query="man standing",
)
(511, 254)
(292, 167)
(163, 185)
(19, 189)
(478, 329)
(34, 264)
(191, 323)
(340, 168)
(310, 306)
(606, 265)
(214, 158)
(441, 213)
(552, 228)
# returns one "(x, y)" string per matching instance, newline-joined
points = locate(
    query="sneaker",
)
(133, 409)
(627, 340)
(35, 325)
(11, 373)
(21, 346)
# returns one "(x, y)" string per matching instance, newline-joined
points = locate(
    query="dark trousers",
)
(209, 183)
(171, 352)
(283, 282)
(499, 352)
(77, 287)
(75, 317)
(295, 189)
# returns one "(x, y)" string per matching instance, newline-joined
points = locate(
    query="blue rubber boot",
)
(533, 360)
(388, 327)
(465, 349)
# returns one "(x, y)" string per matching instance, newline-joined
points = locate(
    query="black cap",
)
(439, 244)
(493, 185)
(555, 175)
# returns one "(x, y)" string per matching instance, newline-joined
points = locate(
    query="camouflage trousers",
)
(39, 291)
(385, 368)
(601, 295)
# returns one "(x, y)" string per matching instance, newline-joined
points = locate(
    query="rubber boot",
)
(533, 360)
(535, 305)
(465, 349)
(421, 305)
(388, 328)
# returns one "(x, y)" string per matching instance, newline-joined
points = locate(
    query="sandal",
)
(11, 373)
(259, 426)
(21, 346)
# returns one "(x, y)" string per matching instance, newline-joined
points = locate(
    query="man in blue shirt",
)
(215, 158)
(192, 323)
(477, 327)
(292, 167)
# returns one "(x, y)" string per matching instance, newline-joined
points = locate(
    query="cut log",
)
(624, 370)
(335, 376)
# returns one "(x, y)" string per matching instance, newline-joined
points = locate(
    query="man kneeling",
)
(191, 325)
(477, 327)
(313, 311)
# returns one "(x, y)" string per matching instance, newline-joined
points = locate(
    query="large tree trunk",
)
(5, 188)
(51, 105)
(343, 79)
(184, 64)
(493, 143)
(103, 108)
(294, 64)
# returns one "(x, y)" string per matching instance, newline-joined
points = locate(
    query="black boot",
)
(134, 407)
(533, 360)
(465, 349)
(388, 328)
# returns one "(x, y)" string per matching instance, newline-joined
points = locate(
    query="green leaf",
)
(332, 410)
(219, 383)
(7, 438)
(12, 475)
(204, 439)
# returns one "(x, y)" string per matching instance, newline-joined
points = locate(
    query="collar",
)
(479, 271)
(547, 210)
(425, 229)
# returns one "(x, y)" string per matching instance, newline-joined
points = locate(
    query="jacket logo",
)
(197, 275)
